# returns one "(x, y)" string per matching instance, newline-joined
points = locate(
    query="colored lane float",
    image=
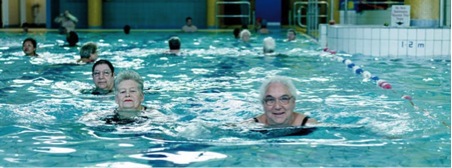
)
(368, 76)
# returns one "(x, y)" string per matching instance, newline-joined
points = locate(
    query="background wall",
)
(148, 14)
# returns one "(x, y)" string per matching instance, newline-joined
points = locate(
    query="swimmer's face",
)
(103, 77)
(28, 48)
(189, 23)
(93, 56)
(129, 96)
(290, 36)
(246, 37)
(278, 105)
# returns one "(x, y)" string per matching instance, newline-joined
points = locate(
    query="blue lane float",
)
(369, 77)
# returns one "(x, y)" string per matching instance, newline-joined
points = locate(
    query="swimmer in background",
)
(126, 29)
(189, 27)
(72, 39)
(263, 28)
(291, 35)
(129, 96)
(29, 47)
(278, 95)
(174, 45)
(103, 74)
(245, 36)
(269, 46)
(236, 33)
(88, 53)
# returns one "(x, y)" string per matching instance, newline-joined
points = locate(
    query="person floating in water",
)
(88, 53)
(291, 35)
(189, 27)
(277, 95)
(269, 46)
(129, 96)
(103, 74)
(72, 39)
(126, 29)
(29, 47)
(174, 45)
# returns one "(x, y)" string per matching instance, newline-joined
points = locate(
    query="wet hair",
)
(72, 38)
(126, 29)
(104, 62)
(277, 79)
(236, 33)
(129, 75)
(293, 31)
(174, 43)
(243, 32)
(269, 45)
(32, 40)
(87, 49)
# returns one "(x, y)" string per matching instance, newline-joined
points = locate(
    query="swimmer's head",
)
(269, 45)
(174, 43)
(245, 35)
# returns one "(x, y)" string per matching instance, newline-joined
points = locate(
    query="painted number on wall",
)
(412, 44)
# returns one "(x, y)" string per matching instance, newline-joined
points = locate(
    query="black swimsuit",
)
(305, 120)
(114, 119)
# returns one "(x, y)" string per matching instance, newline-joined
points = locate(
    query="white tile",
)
(437, 34)
(412, 34)
(367, 33)
(420, 48)
(359, 33)
(437, 48)
(411, 51)
(353, 33)
(384, 34)
(445, 48)
(384, 48)
(323, 28)
(376, 34)
(446, 34)
(393, 47)
(429, 48)
(376, 48)
(367, 47)
(429, 34)
(352, 46)
(331, 31)
(341, 33)
(403, 34)
(359, 46)
(402, 50)
(420, 34)
(393, 34)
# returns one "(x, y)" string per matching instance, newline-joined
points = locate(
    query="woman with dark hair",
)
(29, 47)
(103, 74)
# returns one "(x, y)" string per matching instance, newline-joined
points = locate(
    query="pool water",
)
(211, 85)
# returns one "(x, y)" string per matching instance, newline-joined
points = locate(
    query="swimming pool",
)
(213, 83)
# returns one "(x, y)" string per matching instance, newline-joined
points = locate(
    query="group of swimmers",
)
(277, 94)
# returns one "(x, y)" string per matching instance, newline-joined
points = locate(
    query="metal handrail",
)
(233, 16)
(297, 15)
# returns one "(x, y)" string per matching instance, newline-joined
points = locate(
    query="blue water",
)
(211, 85)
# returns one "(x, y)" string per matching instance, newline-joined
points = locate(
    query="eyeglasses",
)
(98, 73)
(284, 100)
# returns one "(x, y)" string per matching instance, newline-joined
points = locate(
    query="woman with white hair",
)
(269, 45)
(278, 95)
(245, 35)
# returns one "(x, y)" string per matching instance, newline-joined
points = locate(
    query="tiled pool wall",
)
(381, 41)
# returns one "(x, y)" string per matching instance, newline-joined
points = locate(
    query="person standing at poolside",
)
(277, 95)
(103, 74)
(29, 47)
(88, 53)
(189, 27)
(67, 22)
